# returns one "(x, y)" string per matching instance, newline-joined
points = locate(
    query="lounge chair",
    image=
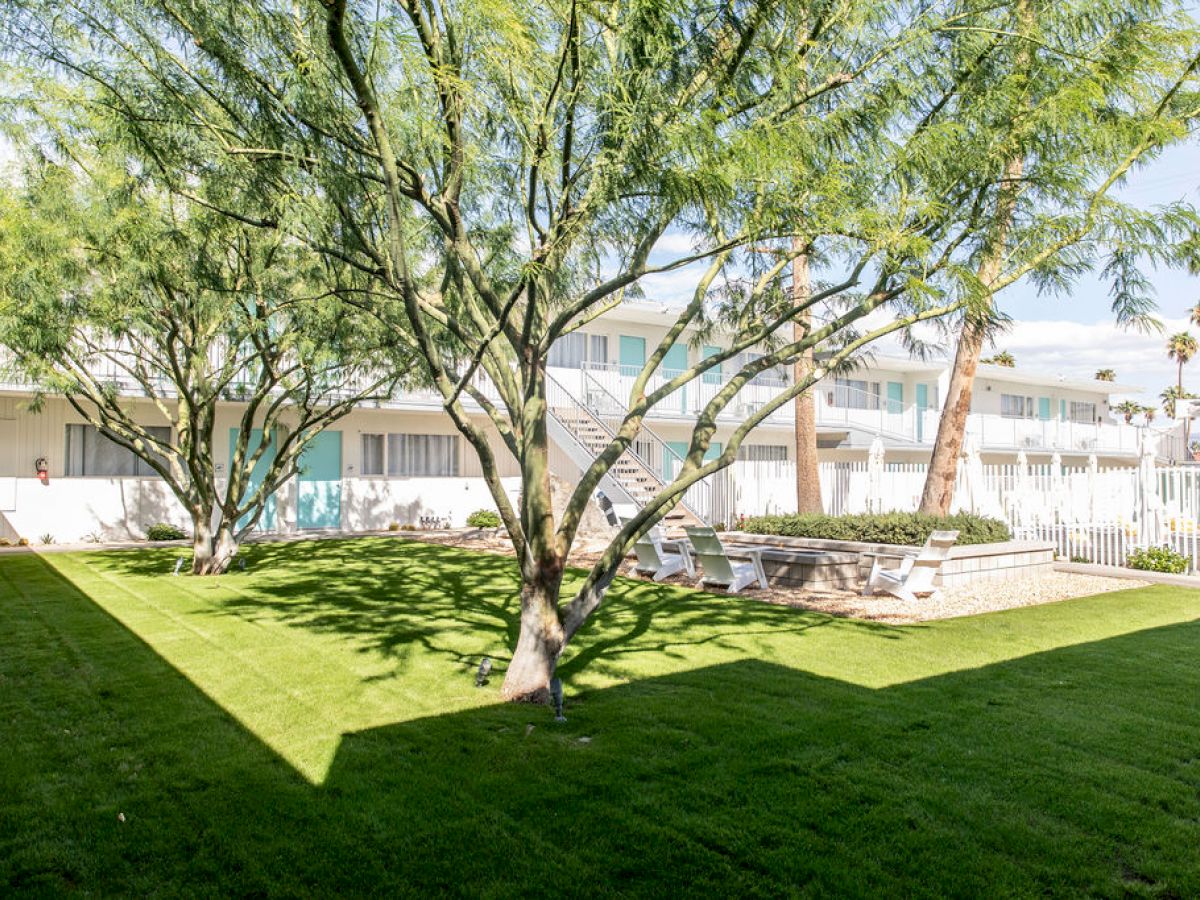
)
(719, 569)
(660, 558)
(915, 576)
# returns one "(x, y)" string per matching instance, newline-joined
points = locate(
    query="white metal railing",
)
(568, 410)
(1098, 514)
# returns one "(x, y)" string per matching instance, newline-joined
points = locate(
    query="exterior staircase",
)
(635, 476)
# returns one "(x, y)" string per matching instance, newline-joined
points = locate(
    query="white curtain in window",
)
(89, 452)
(1082, 412)
(423, 454)
(598, 349)
(372, 454)
(567, 352)
(851, 393)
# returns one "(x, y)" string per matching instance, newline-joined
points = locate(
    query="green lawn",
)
(310, 726)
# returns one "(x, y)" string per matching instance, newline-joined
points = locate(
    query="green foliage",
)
(484, 518)
(47, 538)
(1158, 559)
(163, 531)
(911, 529)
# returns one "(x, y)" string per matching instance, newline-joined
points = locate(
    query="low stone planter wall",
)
(1009, 559)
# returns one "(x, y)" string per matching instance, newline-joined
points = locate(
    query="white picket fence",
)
(1095, 516)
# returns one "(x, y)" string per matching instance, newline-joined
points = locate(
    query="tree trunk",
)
(808, 472)
(938, 493)
(211, 553)
(539, 645)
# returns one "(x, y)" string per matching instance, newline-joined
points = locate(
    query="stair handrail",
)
(575, 404)
(702, 488)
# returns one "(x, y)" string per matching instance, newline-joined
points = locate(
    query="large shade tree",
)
(1088, 91)
(505, 174)
(114, 292)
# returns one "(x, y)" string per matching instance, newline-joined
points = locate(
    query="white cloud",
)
(1077, 350)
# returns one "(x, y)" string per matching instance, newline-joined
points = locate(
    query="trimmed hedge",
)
(910, 529)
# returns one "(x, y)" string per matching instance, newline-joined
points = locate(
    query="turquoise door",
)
(713, 451)
(672, 463)
(632, 354)
(713, 375)
(1062, 410)
(266, 522)
(922, 405)
(319, 494)
(674, 364)
(1044, 408)
(895, 397)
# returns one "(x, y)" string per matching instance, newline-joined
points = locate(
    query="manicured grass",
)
(310, 726)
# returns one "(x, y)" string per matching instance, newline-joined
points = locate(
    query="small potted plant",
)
(1194, 446)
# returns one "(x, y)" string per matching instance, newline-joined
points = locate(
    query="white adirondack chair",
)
(719, 569)
(915, 576)
(658, 557)
(655, 560)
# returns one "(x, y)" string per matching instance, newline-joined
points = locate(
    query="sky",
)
(1073, 335)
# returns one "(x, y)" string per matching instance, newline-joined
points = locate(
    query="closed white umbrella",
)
(1024, 493)
(1150, 505)
(875, 476)
(1058, 488)
(1093, 478)
(973, 486)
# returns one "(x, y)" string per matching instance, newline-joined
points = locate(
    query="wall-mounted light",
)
(41, 465)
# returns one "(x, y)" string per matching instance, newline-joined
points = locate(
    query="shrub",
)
(47, 538)
(484, 518)
(1158, 559)
(5, 542)
(23, 542)
(910, 529)
(163, 531)
(393, 526)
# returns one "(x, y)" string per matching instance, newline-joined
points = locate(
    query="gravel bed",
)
(985, 595)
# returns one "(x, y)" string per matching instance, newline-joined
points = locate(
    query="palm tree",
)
(1181, 348)
(1106, 375)
(1169, 396)
(1194, 314)
(1003, 358)
(1148, 413)
(1128, 409)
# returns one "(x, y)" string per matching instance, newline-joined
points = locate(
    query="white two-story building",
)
(397, 461)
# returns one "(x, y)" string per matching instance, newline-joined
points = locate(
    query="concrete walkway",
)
(1188, 581)
(465, 534)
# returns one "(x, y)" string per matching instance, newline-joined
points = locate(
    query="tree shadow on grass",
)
(1074, 771)
(392, 594)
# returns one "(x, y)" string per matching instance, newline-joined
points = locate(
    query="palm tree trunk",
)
(808, 471)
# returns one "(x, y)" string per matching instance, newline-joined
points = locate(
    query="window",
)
(850, 393)
(598, 349)
(763, 452)
(572, 351)
(372, 454)
(1083, 412)
(776, 376)
(422, 454)
(90, 453)
(1014, 406)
